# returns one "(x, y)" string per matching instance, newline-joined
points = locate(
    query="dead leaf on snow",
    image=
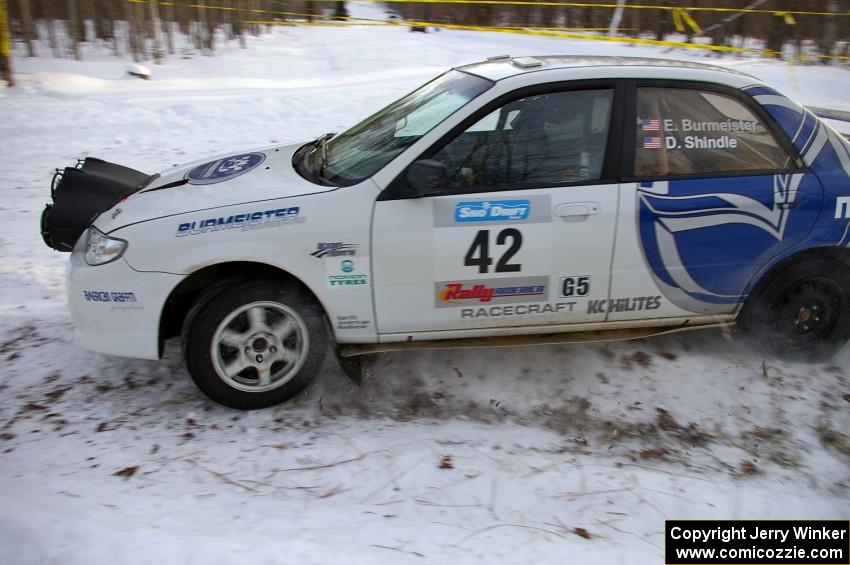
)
(747, 468)
(653, 453)
(126, 472)
(446, 462)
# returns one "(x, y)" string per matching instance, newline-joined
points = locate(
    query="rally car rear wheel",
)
(802, 313)
(252, 344)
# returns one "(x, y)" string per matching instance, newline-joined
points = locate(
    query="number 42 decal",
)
(479, 252)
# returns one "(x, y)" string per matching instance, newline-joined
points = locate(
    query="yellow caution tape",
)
(782, 13)
(682, 17)
(787, 16)
(390, 23)
(610, 6)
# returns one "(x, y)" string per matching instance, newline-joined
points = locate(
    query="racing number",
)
(479, 252)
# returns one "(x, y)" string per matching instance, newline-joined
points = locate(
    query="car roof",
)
(504, 66)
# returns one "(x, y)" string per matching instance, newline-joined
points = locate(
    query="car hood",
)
(235, 178)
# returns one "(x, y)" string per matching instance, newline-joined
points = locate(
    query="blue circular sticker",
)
(225, 169)
(347, 266)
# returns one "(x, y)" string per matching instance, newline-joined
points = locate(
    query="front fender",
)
(284, 234)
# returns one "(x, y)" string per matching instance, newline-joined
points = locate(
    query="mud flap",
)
(351, 366)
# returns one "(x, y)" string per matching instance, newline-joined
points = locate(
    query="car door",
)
(716, 191)
(524, 232)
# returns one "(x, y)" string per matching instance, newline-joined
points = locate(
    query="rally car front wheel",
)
(803, 313)
(253, 344)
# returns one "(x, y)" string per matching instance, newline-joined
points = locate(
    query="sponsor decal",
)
(463, 212)
(512, 290)
(335, 249)
(244, 222)
(118, 301)
(484, 293)
(575, 286)
(228, 168)
(516, 310)
(842, 207)
(623, 304)
(103, 296)
(492, 210)
(349, 278)
(352, 323)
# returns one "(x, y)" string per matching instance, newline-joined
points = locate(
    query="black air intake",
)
(81, 193)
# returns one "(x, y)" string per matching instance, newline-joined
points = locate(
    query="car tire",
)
(254, 344)
(802, 313)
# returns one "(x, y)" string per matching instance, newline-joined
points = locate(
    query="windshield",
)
(361, 151)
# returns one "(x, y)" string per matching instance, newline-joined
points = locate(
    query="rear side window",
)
(683, 131)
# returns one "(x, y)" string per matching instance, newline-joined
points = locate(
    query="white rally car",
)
(516, 200)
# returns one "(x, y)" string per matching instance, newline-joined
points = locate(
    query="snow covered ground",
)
(538, 455)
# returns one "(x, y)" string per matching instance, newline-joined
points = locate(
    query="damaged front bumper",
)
(80, 194)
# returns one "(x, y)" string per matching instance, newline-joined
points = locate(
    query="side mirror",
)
(427, 177)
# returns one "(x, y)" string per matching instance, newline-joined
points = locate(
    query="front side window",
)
(540, 140)
(361, 151)
(683, 131)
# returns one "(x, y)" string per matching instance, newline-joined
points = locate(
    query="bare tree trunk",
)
(102, 23)
(240, 25)
(157, 43)
(51, 35)
(26, 26)
(549, 16)
(660, 25)
(86, 11)
(5, 45)
(116, 44)
(73, 27)
(134, 43)
(827, 42)
(776, 36)
(115, 16)
(168, 27)
(202, 25)
(635, 22)
(340, 12)
(614, 27)
(211, 24)
(50, 23)
(255, 15)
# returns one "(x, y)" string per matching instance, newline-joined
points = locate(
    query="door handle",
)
(577, 209)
